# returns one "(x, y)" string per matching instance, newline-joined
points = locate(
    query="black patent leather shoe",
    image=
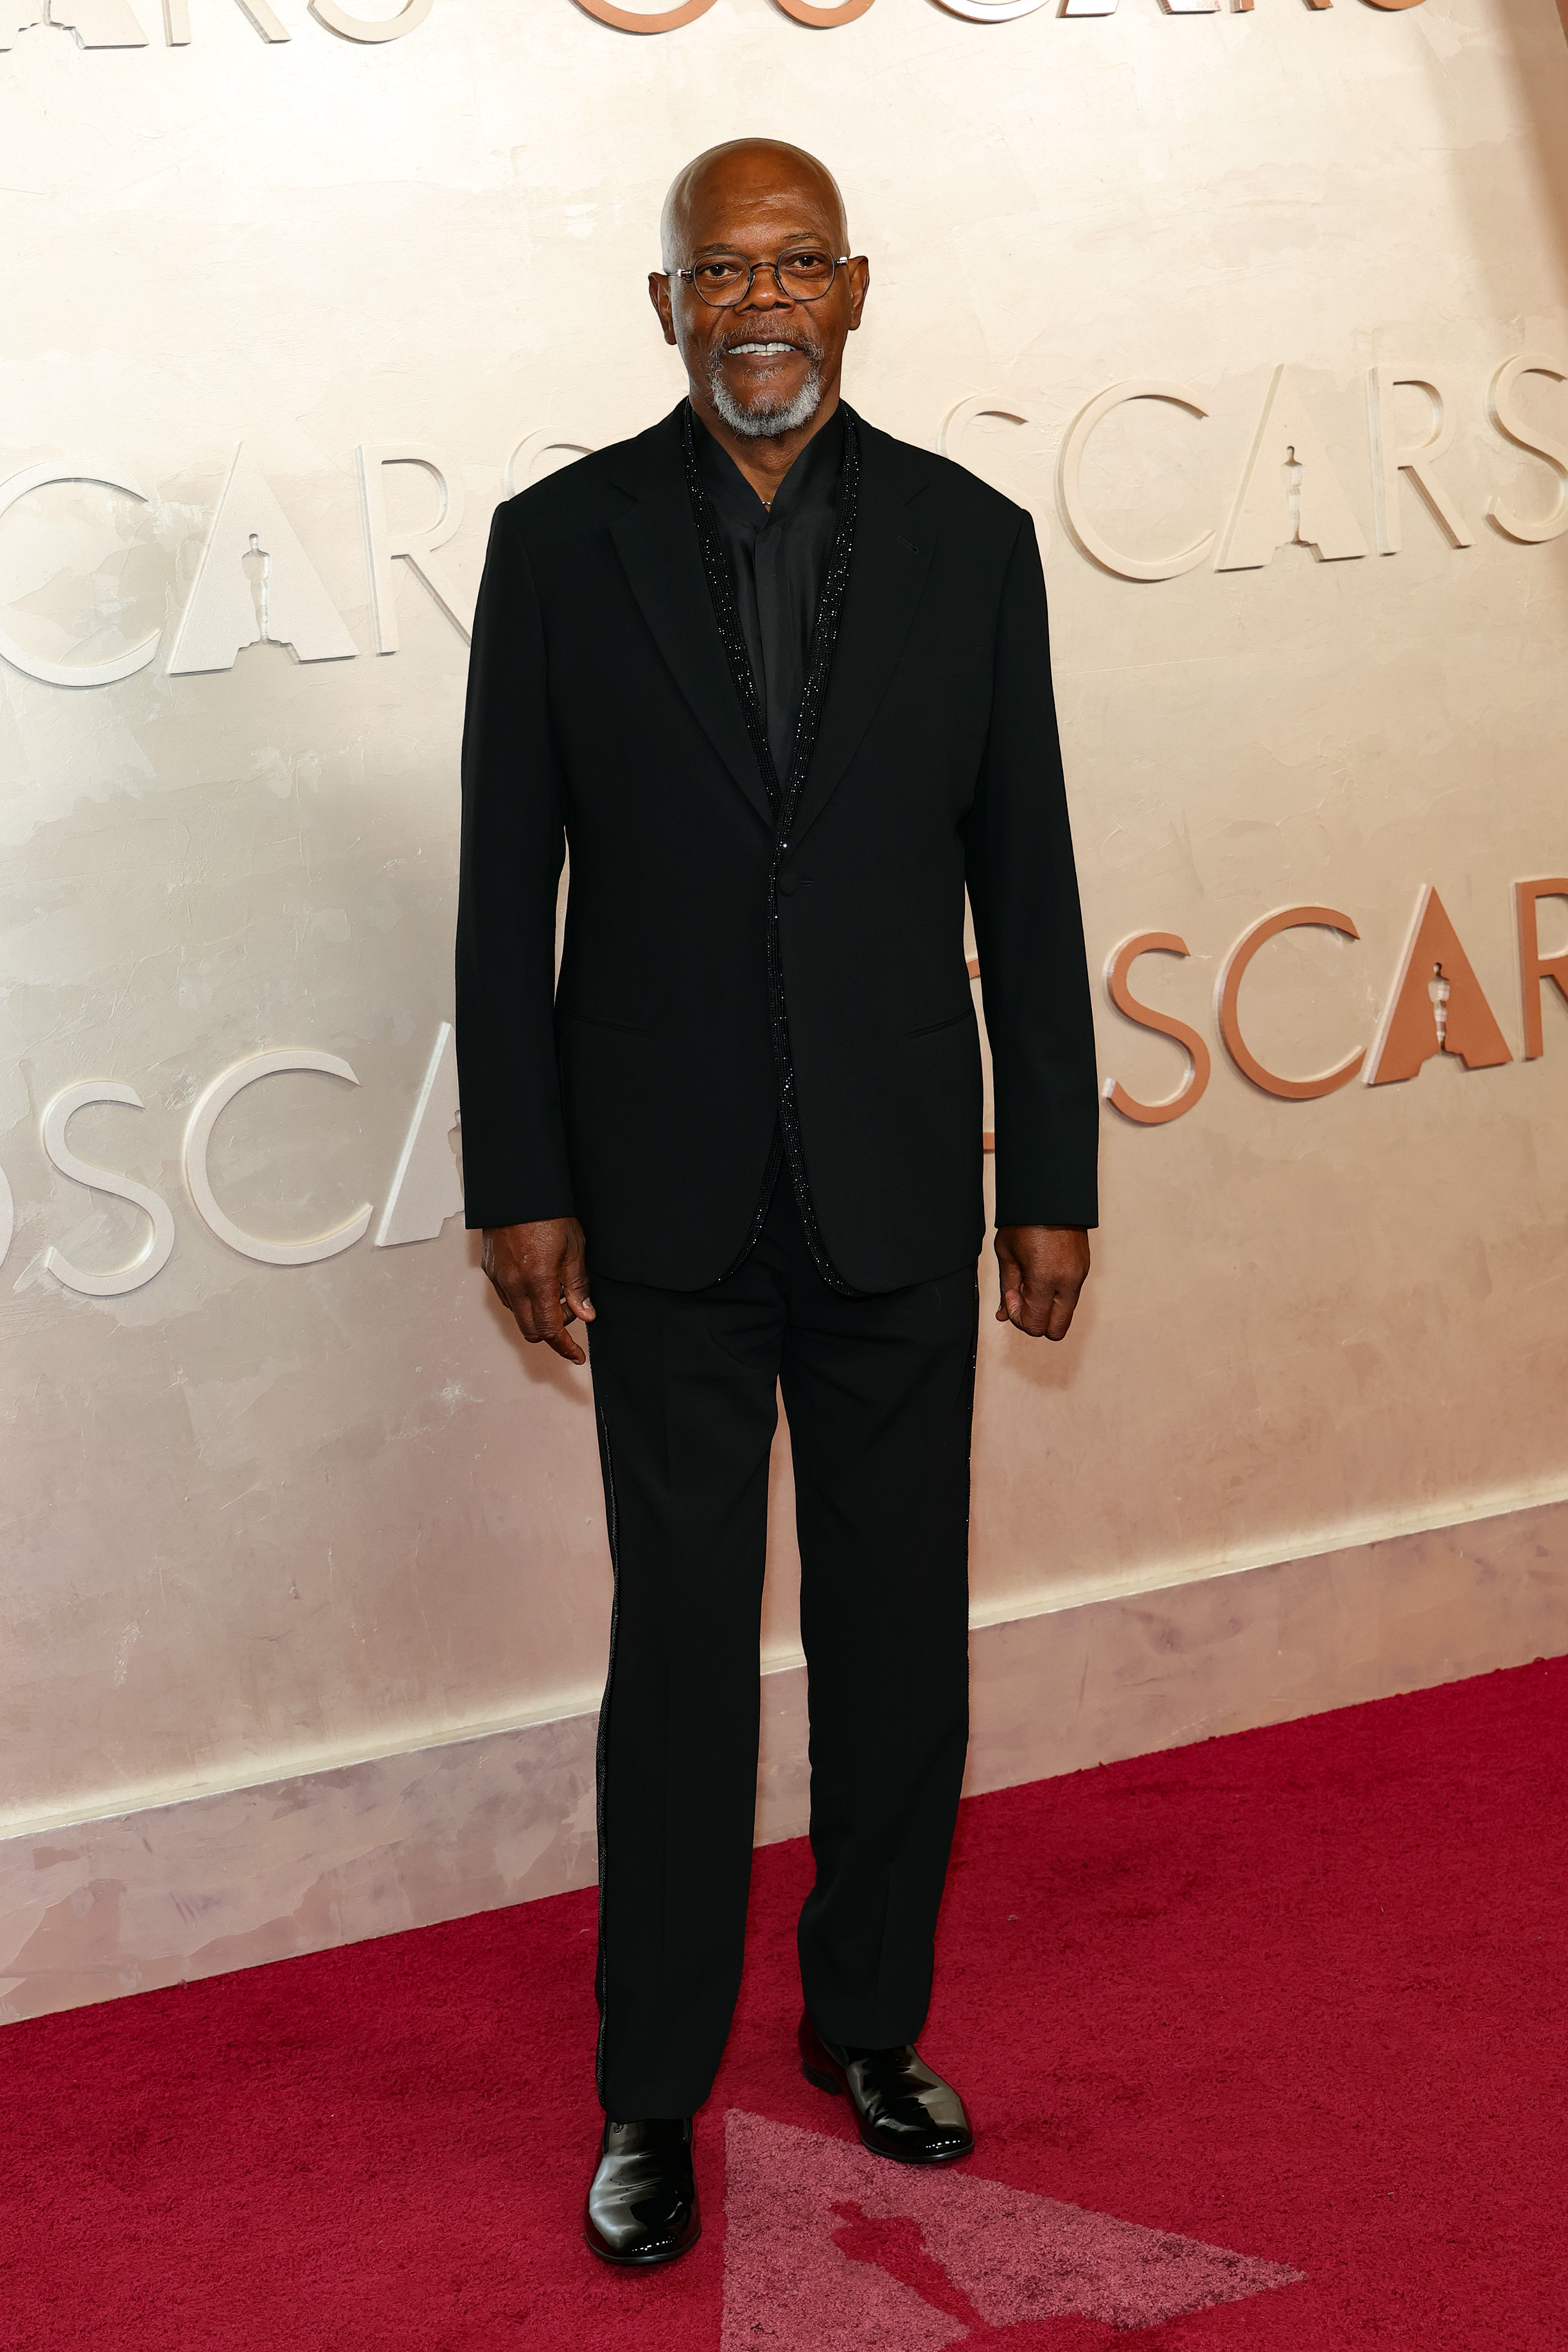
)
(902, 2108)
(642, 2201)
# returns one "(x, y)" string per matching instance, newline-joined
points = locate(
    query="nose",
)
(765, 292)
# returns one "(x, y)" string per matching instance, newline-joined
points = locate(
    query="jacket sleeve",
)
(1029, 929)
(513, 1138)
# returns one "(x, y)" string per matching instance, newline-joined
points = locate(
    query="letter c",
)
(49, 673)
(1288, 918)
(1069, 468)
(198, 1137)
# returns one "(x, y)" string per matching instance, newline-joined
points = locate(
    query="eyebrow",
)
(797, 237)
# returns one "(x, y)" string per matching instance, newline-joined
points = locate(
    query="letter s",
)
(154, 1253)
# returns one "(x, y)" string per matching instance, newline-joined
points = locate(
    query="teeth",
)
(764, 348)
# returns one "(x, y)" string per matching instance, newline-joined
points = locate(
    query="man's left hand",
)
(1042, 1268)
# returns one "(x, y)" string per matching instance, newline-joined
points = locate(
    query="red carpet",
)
(1267, 2033)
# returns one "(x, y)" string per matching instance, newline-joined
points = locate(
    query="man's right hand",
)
(540, 1274)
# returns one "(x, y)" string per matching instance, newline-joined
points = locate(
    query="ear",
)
(659, 295)
(860, 283)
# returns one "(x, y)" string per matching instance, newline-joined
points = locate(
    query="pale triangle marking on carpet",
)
(810, 2263)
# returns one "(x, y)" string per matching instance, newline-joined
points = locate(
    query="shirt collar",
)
(813, 478)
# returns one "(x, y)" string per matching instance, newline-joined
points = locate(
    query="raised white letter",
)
(1388, 459)
(103, 673)
(998, 12)
(425, 1190)
(177, 22)
(153, 1254)
(98, 24)
(417, 548)
(209, 1108)
(520, 465)
(1290, 494)
(371, 28)
(1070, 489)
(256, 582)
(956, 423)
(1529, 436)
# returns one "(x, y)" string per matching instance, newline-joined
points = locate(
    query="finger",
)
(549, 1316)
(1063, 1306)
(1037, 1306)
(574, 1285)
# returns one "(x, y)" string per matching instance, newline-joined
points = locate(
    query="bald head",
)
(746, 169)
(758, 293)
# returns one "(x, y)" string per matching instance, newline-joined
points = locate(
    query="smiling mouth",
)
(759, 351)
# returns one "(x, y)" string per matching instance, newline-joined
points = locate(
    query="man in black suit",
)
(783, 685)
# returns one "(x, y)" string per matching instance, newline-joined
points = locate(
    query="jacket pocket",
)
(949, 1021)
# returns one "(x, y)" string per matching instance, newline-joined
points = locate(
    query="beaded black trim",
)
(784, 802)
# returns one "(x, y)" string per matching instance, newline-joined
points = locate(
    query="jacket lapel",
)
(894, 541)
(656, 540)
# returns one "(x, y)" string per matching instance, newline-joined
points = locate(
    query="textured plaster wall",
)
(255, 1517)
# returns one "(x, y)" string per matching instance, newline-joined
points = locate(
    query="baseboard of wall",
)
(228, 1879)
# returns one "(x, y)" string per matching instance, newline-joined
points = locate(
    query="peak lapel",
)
(894, 542)
(656, 540)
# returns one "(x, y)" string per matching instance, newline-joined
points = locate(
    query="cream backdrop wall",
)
(321, 1544)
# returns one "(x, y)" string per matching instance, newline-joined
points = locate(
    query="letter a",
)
(231, 607)
(97, 24)
(426, 1189)
(1290, 494)
(1437, 1006)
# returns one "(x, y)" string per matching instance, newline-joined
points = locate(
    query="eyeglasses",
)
(723, 280)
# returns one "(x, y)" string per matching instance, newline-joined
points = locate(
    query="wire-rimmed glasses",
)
(723, 280)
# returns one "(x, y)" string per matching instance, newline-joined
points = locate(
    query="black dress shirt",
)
(777, 561)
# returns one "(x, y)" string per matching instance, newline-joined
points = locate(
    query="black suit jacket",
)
(639, 1093)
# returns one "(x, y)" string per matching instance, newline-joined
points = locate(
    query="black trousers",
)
(878, 1392)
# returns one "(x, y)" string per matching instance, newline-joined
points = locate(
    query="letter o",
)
(199, 1135)
(958, 421)
(992, 12)
(633, 20)
(371, 28)
(1288, 918)
(49, 673)
(806, 12)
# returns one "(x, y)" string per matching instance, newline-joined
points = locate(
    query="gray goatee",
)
(768, 415)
